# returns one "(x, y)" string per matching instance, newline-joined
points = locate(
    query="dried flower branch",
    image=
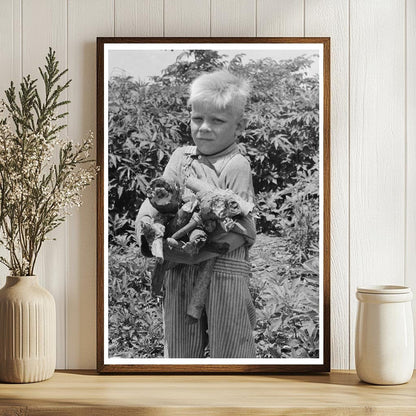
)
(36, 193)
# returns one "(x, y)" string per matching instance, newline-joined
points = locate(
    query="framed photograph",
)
(213, 219)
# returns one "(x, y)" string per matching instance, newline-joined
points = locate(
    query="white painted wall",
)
(373, 132)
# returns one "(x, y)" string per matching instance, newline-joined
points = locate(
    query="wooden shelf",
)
(87, 393)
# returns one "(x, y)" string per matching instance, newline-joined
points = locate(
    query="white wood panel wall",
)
(410, 142)
(330, 18)
(373, 132)
(10, 60)
(37, 36)
(86, 21)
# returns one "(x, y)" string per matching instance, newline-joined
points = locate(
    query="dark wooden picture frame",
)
(259, 365)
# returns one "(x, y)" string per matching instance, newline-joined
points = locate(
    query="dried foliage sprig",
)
(38, 185)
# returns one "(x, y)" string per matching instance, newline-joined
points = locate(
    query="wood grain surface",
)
(85, 393)
(187, 18)
(331, 18)
(138, 17)
(44, 25)
(410, 232)
(233, 18)
(10, 65)
(81, 249)
(377, 155)
(280, 18)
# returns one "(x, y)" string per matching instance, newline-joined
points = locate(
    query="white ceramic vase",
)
(384, 343)
(27, 331)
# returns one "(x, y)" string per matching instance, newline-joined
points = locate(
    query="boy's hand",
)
(177, 255)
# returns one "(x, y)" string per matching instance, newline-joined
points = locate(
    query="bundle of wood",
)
(185, 226)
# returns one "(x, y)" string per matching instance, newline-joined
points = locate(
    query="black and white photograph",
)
(213, 203)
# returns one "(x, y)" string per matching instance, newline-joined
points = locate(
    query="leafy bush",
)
(287, 323)
(135, 316)
(147, 121)
(286, 300)
(294, 213)
(283, 130)
(144, 128)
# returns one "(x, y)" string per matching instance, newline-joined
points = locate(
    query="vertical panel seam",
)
(210, 17)
(349, 186)
(66, 222)
(405, 144)
(304, 18)
(163, 17)
(255, 18)
(16, 34)
(21, 40)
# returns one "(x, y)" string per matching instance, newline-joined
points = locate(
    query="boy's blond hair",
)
(221, 89)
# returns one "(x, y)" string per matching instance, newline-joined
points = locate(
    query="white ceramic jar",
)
(384, 343)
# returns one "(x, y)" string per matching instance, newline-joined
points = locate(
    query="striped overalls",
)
(230, 315)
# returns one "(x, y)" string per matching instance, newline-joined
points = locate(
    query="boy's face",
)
(213, 130)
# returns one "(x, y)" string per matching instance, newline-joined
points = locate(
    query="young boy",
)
(218, 100)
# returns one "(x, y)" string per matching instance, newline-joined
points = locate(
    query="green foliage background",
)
(147, 121)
